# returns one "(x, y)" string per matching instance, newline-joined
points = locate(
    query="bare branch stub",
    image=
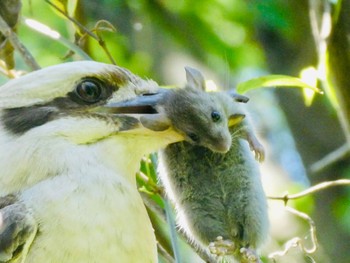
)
(297, 241)
(311, 190)
(331, 158)
(16, 43)
(9, 11)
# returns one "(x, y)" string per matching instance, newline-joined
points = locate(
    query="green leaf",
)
(103, 25)
(274, 81)
(71, 6)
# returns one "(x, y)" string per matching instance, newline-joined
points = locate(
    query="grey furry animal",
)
(217, 196)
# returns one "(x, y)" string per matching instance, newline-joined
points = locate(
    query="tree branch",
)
(297, 241)
(330, 158)
(12, 37)
(311, 190)
(48, 32)
(101, 42)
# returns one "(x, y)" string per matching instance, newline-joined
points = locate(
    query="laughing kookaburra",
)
(67, 167)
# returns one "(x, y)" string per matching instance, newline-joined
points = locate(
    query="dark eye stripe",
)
(21, 120)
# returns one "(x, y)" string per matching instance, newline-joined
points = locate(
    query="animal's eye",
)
(215, 116)
(89, 91)
(194, 137)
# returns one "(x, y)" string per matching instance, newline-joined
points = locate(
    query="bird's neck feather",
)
(54, 156)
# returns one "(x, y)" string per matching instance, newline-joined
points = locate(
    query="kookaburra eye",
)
(215, 116)
(89, 91)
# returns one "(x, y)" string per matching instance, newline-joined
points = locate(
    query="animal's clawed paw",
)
(221, 247)
(249, 256)
(258, 149)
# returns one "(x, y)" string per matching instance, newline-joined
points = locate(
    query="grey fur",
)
(221, 194)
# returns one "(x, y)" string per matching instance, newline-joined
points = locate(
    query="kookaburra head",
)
(45, 112)
(81, 91)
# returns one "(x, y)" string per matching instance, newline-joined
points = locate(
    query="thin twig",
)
(297, 241)
(330, 159)
(155, 211)
(16, 43)
(311, 190)
(172, 228)
(74, 21)
(52, 34)
(9, 73)
(312, 225)
(314, 21)
(164, 253)
(101, 42)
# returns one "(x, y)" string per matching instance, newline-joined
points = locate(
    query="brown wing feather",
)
(17, 229)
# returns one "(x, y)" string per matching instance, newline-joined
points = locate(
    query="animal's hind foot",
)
(249, 255)
(221, 247)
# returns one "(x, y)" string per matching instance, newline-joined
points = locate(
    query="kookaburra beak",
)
(148, 106)
(143, 104)
(145, 107)
(147, 103)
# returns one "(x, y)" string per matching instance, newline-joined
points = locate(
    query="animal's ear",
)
(235, 119)
(155, 122)
(238, 97)
(195, 78)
